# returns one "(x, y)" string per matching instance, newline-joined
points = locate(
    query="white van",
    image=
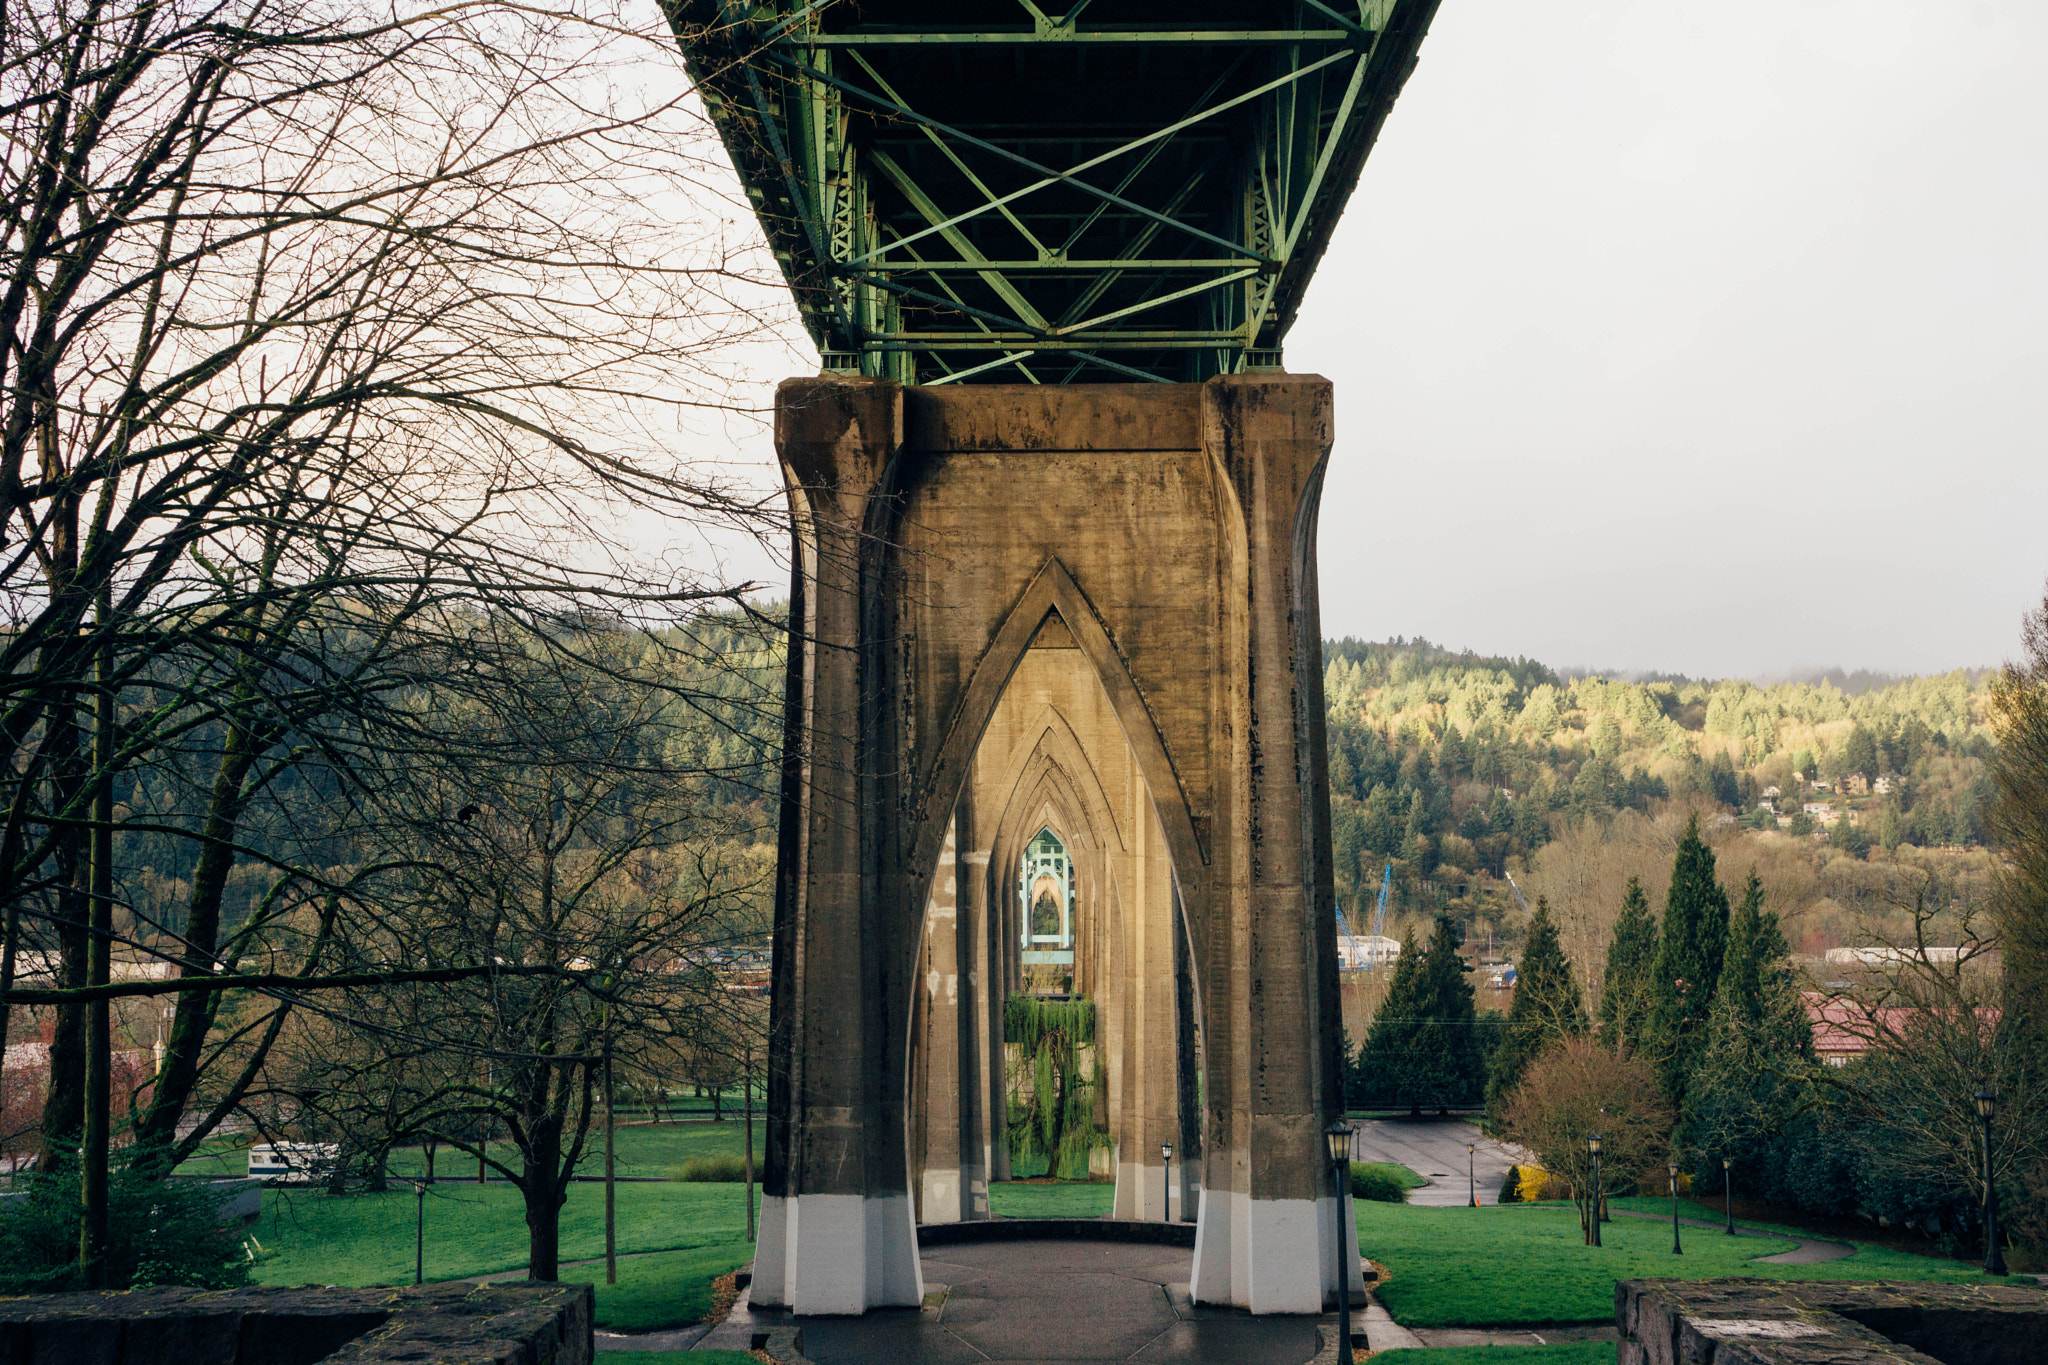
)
(293, 1163)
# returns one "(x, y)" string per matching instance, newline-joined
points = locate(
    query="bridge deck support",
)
(1171, 528)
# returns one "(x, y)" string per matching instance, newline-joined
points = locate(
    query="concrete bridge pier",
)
(1089, 610)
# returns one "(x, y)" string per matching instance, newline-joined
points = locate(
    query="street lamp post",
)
(1728, 1194)
(1671, 1167)
(1166, 1182)
(419, 1232)
(1593, 1223)
(1338, 1138)
(1471, 1183)
(1994, 1259)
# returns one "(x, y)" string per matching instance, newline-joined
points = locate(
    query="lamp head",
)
(1593, 1143)
(1338, 1136)
(1166, 1151)
(1986, 1102)
(1726, 1163)
(1672, 1168)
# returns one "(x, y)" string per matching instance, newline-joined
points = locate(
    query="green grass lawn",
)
(1563, 1353)
(668, 1289)
(365, 1239)
(1407, 1179)
(1491, 1266)
(660, 1149)
(1066, 1199)
(678, 1358)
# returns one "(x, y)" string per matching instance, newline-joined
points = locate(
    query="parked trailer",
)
(293, 1163)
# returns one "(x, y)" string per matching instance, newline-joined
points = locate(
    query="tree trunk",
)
(543, 1191)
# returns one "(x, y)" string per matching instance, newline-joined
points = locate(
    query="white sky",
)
(1681, 337)
(1685, 338)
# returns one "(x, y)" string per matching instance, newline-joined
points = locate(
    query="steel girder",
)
(962, 190)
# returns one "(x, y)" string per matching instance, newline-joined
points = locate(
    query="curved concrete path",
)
(1809, 1251)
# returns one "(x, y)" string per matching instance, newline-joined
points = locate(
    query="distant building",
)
(1855, 784)
(1883, 785)
(1820, 784)
(1819, 810)
(1772, 793)
(1502, 977)
(1870, 957)
(1362, 952)
(1844, 1030)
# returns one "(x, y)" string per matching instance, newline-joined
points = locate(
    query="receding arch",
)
(1053, 590)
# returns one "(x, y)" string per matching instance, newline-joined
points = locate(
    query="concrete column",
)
(837, 1234)
(952, 1165)
(1269, 945)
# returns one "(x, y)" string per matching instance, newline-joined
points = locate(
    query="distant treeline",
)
(1459, 761)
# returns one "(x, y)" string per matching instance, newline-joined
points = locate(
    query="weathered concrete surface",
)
(1170, 531)
(1775, 1322)
(456, 1324)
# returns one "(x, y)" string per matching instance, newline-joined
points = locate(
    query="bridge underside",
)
(988, 191)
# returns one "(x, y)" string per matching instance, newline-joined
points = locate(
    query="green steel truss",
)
(984, 190)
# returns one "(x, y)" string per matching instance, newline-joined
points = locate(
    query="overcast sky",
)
(1699, 339)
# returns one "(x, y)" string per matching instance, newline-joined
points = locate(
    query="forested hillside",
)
(1461, 769)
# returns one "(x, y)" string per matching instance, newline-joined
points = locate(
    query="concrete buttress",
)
(1088, 610)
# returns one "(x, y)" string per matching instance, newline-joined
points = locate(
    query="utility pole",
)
(99, 1078)
(611, 1210)
(747, 1100)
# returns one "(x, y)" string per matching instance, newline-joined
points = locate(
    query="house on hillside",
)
(1771, 793)
(1844, 1030)
(1820, 810)
(1855, 784)
(1821, 784)
(1883, 785)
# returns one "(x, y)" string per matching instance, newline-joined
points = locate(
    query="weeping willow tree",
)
(1054, 1115)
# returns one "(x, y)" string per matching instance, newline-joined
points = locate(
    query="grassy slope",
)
(1480, 1267)
(649, 1149)
(1067, 1199)
(478, 1230)
(1409, 1180)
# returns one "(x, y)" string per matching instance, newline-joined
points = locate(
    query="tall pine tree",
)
(1389, 1064)
(1450, 1035)
(1630, 984)
(1547, 1006)
(1754, 1074)
(1688, 965)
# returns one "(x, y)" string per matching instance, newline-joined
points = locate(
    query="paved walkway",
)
(1810, 1251)
(1434, 1148)
(1043, 1301)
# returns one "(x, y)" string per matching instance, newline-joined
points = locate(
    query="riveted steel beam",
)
(951, 194)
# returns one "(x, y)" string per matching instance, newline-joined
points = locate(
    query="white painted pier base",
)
(1271, 1255)
(837, 1253)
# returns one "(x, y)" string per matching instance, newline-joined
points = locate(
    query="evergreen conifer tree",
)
(1758, 1056)
(1629, 986)
(1386, 1064)
(1688, 966)
(1449, 1037)
(1547, 1006)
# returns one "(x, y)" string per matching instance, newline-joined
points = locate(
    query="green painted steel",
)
(985, 191)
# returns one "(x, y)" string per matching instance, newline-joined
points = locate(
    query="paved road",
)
(1434, 1148)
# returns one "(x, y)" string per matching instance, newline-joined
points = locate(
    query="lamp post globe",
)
(1994, 1258)
(1671, 1168)
(1593, 1223)
(1337, 1142)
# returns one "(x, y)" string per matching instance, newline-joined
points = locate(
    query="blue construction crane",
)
(1379, 916)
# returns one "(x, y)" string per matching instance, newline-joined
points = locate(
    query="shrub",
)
(1380, 1186)
(723, 1167)
(1510, 1186)
(158, 1232)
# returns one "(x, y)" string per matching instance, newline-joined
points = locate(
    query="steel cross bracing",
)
(963, 190)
